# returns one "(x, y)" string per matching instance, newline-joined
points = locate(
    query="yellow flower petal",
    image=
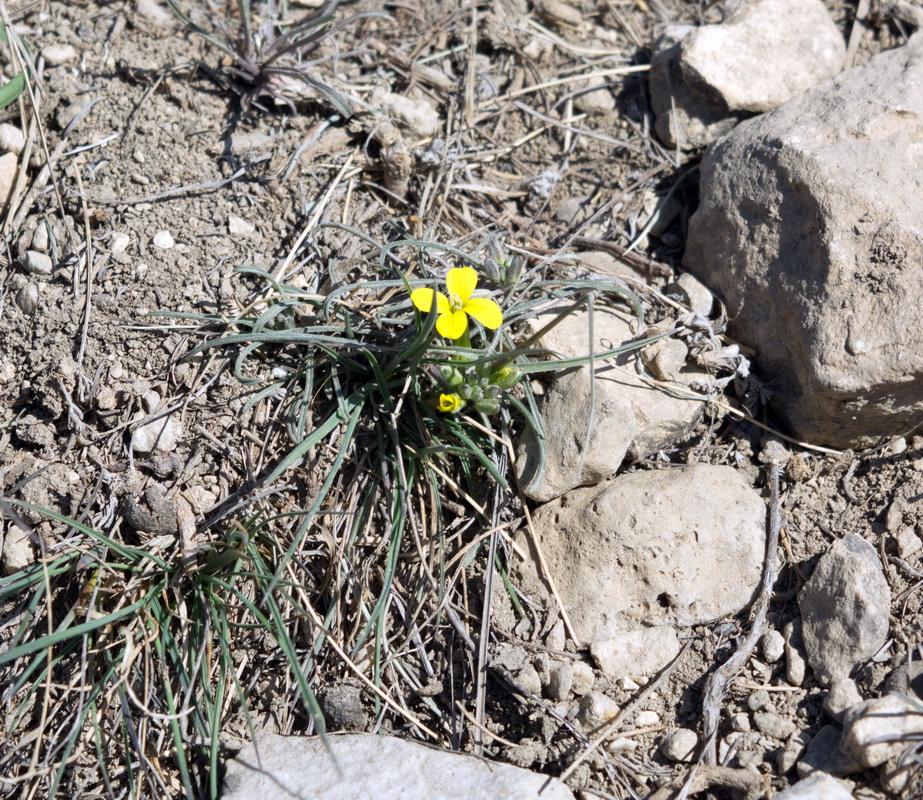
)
(449, 403)
(485, 311)
(452, 324)
(423, 299)
(461, 281)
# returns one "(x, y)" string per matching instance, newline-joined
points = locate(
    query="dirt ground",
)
(146, 141)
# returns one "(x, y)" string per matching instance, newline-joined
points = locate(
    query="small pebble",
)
(162, 435)
(899, 445)
(238, 226)
(27, 298)
(57, 54)
(38, 263)
(562, 678)
(150, 400)
(680, 745)
(40, 238)
(595, 709)
(163, 240)
(843, 694)
(622, 745)
(628, 685)
(119, 242)
(759, 700)
(772, 645)
(792, 751)
(647, 719)
(740, 722)
(11, 139)
(907, 542)
(584, 678)
(773, 725)
(138, 156)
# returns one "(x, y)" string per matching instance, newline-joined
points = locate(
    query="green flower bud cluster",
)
(500, 267)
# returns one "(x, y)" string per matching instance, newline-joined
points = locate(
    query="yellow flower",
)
(454, 310)
(450, 403)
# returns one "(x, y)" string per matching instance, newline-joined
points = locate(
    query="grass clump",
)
(265, 55)
(363, 546)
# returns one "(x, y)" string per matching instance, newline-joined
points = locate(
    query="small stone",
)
(793, 750)
(200, 498)
(27, 298)
(680, 745)
(773, 725)
(542, 664)
(557, 636)
(562, 678)
(907, 542)
(106, 399)
(894, 518)
(626, 684)
(843, 694)
(119, 242)
(11, 139)
(17, 550)
(647, 719)
(795, 665)
(638, 654)
(238, 226)
(150, 400)
(37, 263)
(529, 679)
(163, 240)
(9, 168)
(823, 754)
(161, 435)
(583, 678)
(57, 54)
(595, 709)
(818, 787)
(759, 701)
(740, 722)
(695, 294)
(596, 99)
(880, 729)
(138, 156)
(622, 745)
(155, 14)
(40, 240)
(772, 645)
(845, 609)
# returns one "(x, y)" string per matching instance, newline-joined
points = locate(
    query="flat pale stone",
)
(637, 654)
(675, 547)
(57, 54)
(11, 139)
(163, 240)
(362, 766)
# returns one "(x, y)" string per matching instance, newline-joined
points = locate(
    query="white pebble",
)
(622, 745)
(772, 644)
(138, 156)
(238, 226)
(11, 139)
(9, 169)
(162, 435)
(119, 242)
(163, 240)
(647, 719)
(680, 745)
(57, 54)
(38, 263)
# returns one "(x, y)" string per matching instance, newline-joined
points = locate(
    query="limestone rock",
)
(631, 417)
(683, 118)
(637, 654)
(881, 729)
(673, 547)
(363, 765)
(758, 58)
(844, 609)
(595, 709)
(843, 694)
(809, 225)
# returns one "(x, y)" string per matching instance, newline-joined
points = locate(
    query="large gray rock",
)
(703, 80)
(362, 765)
(811, 230)
(844, 609)
(671, 547)
(631, 417)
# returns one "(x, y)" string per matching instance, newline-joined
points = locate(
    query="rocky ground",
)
(645, 650)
